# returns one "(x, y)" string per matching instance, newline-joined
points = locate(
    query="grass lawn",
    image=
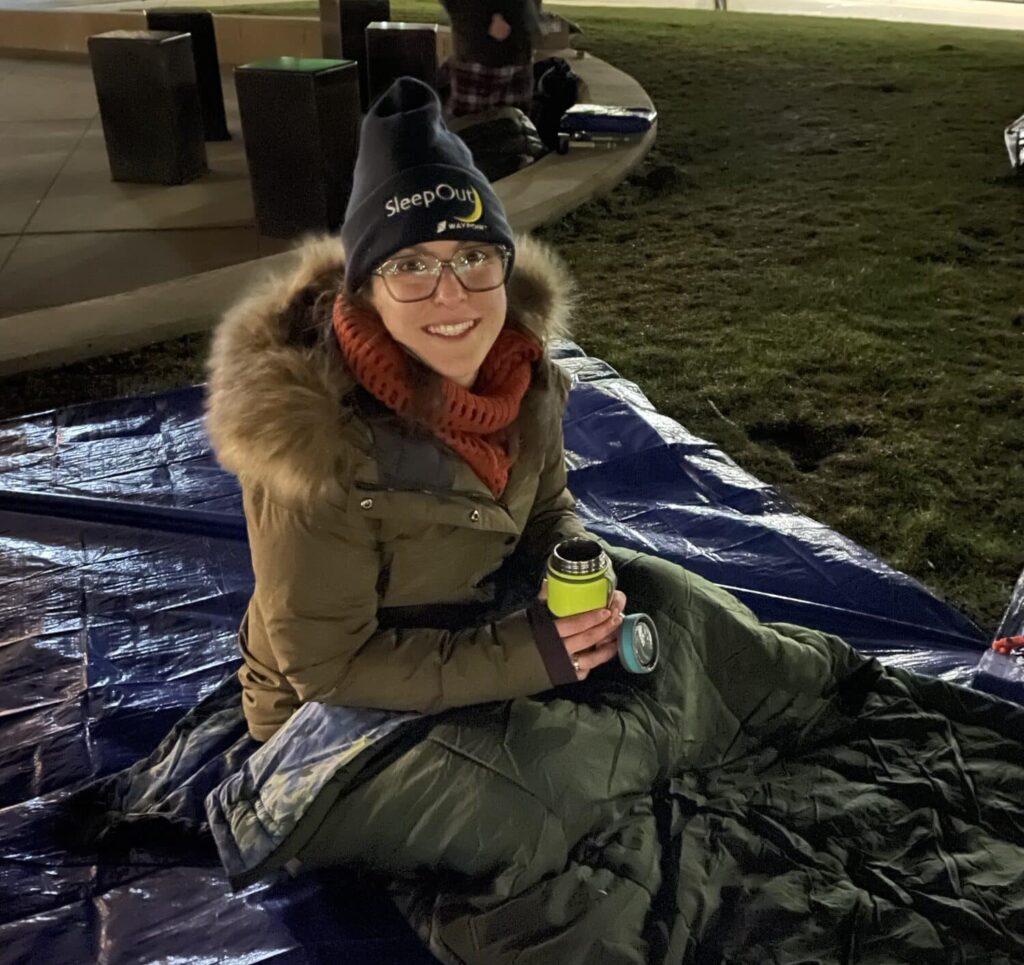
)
(819, 268)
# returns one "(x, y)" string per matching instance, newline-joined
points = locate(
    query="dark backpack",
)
(502, 140)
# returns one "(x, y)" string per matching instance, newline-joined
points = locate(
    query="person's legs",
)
(477, 87)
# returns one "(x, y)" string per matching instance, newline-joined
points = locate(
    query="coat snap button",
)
(475, 516)
(367, 504)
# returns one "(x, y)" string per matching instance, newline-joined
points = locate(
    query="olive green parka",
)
(348, 515)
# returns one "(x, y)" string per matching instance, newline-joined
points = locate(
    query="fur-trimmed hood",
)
(275, 410)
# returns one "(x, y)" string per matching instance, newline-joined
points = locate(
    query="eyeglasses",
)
(415, 277)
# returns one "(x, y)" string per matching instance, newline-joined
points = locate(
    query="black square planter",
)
(149, 105)
(396, 50)
(300, 124)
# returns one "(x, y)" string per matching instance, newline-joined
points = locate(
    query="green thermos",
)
(580, 578)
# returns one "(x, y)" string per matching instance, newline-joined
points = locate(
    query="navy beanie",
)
(414, 181)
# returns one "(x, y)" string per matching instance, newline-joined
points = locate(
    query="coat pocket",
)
(410, 511)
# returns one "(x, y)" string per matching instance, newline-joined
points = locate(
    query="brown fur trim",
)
(541, 291)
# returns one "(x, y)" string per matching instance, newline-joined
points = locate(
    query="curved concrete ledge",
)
(540, 193)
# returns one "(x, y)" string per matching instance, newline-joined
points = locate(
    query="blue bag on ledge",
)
(607, 119)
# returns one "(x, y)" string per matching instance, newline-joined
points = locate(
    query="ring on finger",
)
(576, 663)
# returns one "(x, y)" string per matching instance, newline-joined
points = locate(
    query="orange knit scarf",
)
(471, 422)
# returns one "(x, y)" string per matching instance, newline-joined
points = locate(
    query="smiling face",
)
(453, 330)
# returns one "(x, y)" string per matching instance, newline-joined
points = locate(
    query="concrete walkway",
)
(989, 14)
(68, 233)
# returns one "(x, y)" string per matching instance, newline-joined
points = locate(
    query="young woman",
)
(395, 422)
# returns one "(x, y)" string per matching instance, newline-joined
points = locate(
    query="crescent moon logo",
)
(478, 209)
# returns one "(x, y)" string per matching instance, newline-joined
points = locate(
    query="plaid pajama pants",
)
(476, 88)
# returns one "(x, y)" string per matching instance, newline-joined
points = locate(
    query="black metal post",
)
(199, 23)
(356, 16)
(330, 30)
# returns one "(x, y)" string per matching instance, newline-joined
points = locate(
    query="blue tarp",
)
(124, 572)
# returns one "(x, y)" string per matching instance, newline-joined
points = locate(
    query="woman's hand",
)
(499, 29)
(590, 638)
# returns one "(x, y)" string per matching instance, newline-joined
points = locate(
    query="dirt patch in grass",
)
(807, 444)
